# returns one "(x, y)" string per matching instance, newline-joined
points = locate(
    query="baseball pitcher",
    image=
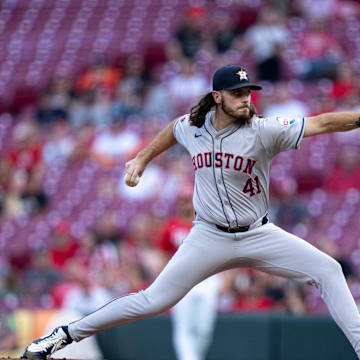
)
(231, 150)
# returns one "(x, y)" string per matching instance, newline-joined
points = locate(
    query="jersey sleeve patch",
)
(285, 121)
(281, 133)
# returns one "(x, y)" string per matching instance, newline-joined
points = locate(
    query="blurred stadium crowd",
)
(71, 233)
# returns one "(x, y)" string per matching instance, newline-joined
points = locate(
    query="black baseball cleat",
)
(42, 348)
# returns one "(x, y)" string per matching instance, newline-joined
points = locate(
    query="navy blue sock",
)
(69, 339)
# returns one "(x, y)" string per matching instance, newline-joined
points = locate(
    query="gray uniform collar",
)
(213, 131)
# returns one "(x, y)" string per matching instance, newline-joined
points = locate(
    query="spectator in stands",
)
(224, 31)
(288, 296)
(320, 52)
(266, 40)
(13, 205)
(83, 294)
(295, 299)
(130, 90)
(245, 14)
(60, 91)
(345, 83)
(127, 100)
(18, 263)
(156, 100)
(143, 233)
(59, 145)
(40, 279)
(86, 284)
(63, 246)
(135, 74)
(154, 55)
(101, 109)
(26, 196)
(87, 244)
(187, 86)
(99, 271)
(345, 174)
(323, 103)
(33, 196)
(107, 231)
(54, 101)
(189, 36)
(83, 139)
(26, 151)
(18, 257)
(249, 290)
(251, 294)
(288, 210)
(285, 104)
(99, 75)
(104, 255)
(93, 107)
(129, 275)
(111, 144)
(47, 112)
(351, 101)
(105, 265)
(80, 109)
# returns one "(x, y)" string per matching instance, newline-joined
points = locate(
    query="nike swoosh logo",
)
(197, 135)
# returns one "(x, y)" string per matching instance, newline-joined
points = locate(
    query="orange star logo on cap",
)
(243, 75)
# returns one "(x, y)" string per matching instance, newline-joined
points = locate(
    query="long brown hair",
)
(205, 104)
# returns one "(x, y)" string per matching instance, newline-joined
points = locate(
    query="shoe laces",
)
(51, 340)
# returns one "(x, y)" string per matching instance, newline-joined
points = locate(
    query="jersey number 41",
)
(252, 186)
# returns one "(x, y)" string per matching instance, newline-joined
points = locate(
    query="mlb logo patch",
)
(286, 121)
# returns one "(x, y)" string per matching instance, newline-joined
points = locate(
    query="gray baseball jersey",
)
(232, 166)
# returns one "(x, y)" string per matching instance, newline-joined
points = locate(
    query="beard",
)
(242, 119)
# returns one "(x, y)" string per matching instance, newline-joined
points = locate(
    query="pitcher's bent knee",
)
(330, 268)
(334, 267)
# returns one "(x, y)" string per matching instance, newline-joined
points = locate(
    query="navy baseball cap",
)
(232, 77)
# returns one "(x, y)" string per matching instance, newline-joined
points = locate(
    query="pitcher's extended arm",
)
(162, 141)
(331, 122)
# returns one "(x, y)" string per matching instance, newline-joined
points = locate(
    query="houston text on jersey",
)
(224, 160)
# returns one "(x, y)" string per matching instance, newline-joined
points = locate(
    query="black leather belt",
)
(264, 221)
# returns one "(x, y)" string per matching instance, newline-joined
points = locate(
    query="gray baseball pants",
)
(206, 251)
